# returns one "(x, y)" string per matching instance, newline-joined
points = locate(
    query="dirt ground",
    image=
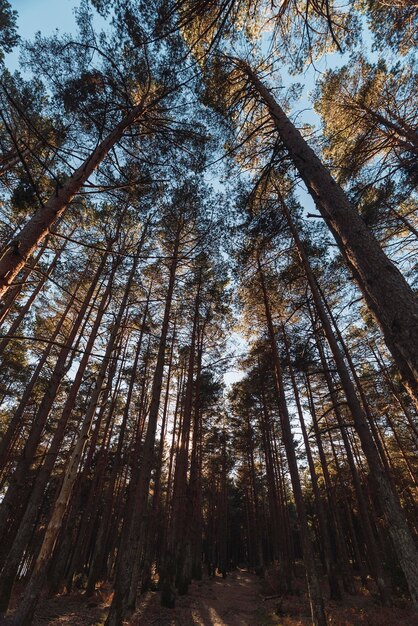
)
(239, 600)
(234, 601)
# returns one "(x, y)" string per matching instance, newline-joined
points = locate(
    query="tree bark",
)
(62, 366)
(132, 531)
(387, 293)
(28, 604)
(17, 252)
(14, 292)
(401, 536)
(330, 563)
(177, 565)
(9, 571)
(104, 529)
(314, 590)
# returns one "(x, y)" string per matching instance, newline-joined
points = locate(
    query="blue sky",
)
(43, 15)
(40, 15)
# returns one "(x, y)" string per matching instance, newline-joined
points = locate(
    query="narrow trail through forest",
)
(242, 599)
(234, 601)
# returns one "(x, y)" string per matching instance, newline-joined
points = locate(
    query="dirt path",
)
(234, 601)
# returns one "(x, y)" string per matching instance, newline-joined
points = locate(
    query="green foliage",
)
(393, 24)
(369, 119)
(8, 33)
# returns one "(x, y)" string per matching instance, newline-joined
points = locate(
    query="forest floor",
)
(242, 599)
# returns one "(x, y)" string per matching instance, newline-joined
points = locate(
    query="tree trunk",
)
(14, 292)
(154, 540)
(18, 547)
(314, 590)
(17, 252)
(387, 293)
(397, 524)
(15, 423)
(103, 533)
(27, 305)
(132, 531)
(62, 366)
(330, 563)
(337, 525)
(177, 557)
(29, 601)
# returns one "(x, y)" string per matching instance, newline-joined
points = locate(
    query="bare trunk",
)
(14, 292)
(15, 423)
(397, 524)
(63, 364)
(132, 530)
(18, 547)
(331, 565)
(29, 601)
(177, 558)
(17, 252)
(387, 293)
(314, 590)
(11, 331)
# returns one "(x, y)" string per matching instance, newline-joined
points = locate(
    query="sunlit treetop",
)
(368, 112)
(298, 30)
